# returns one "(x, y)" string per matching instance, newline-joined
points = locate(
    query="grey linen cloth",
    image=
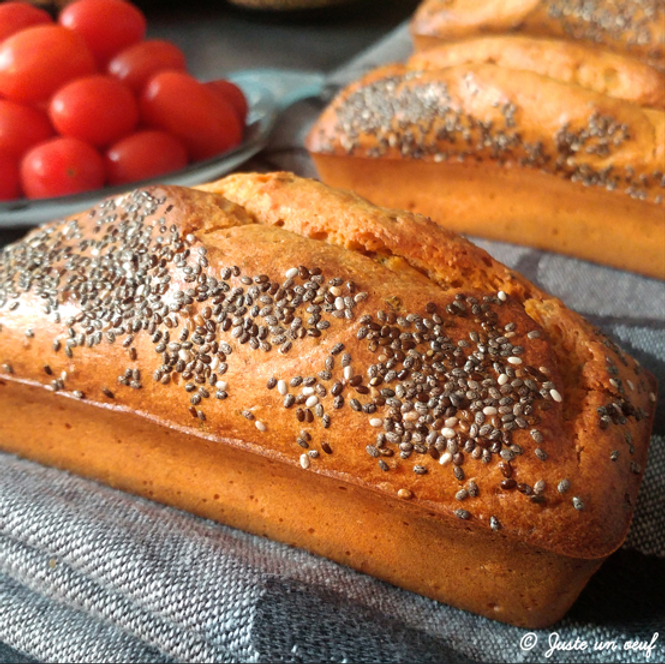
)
(90, 574)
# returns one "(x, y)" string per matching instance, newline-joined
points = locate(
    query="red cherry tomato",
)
(137, 64)
(97, 109)
(233, 94)
(179, 104)
(143, 155)
(107, 26)
(60, 167)
(9, 177)
(16, 16)
(21, 127)
(35, 62)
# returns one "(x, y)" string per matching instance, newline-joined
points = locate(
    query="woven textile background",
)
(89, 574)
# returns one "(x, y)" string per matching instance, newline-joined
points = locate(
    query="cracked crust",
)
(583, 357)
(591, 67)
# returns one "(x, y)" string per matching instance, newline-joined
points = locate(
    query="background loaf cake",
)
(636, 27)
(506, 154)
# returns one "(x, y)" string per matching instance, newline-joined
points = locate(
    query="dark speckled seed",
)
(462, 514)
(578, 503)
(563, 486)
(494, 523)
(419, 470)
(540, 453)
(326, 447)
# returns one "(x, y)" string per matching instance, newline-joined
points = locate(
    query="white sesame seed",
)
(184, 355)
(260, 426)
(502, 296)
(214, 364)
(335, 290)
(513, 359)
(652, 397)
(376, 422)
(490, 410)
(630, 385)
(291, 272)
(509, 335)
(451, 422)
(304, 461)
(447, 432)
(312, 401)
(282, 387)
(445, 458)
(556, 396)
(411, 416)
(307, 391)
(348, 372)
(502, 379)
(190, 238)
(221, 384)
(339, 303)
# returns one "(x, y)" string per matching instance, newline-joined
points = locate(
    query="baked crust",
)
(100, 361)
(591, 67)
(599, 162)
(636, 27)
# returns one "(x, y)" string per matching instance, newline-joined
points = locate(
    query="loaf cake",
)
(289, 359)
(609, 73)
(636, 27)
(506, 154)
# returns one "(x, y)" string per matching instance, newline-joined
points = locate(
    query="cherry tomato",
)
(143, 155)
(233, 94)
(138, 63)
(16, 16)
(97, 109)
(9, 177)
(21, 127)
(178, 103)
(107, 26)
(35, 62)
(60, 167)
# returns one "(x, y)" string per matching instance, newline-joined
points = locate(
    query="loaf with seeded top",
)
(636, 27)
(504, 153)
(359, 382)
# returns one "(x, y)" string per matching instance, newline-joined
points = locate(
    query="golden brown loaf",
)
(359, 382)
(609, 73)
(636, 27)
(505, 154)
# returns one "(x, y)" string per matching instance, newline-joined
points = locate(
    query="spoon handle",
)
(286, 86)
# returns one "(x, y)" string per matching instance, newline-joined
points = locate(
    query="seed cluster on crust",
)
(436, 391)
(629, 21)
(420, 120)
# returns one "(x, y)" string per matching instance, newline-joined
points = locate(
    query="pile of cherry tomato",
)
(86, 101)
